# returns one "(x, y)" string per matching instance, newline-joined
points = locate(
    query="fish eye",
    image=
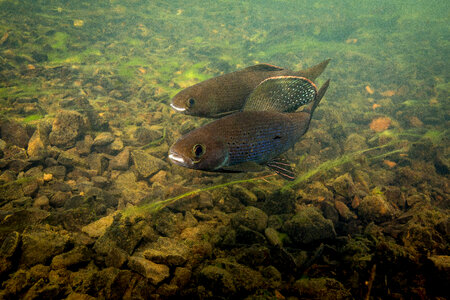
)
(190, 102)
(198, 150)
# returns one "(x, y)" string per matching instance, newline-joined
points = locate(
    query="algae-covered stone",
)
(147, 164)
(251, 217)
(344, 186)
(66, 128)
(103, 139)
(14, 133)
(41, 243)
(244, 195)
(121, 161)
(167, 251)
(181, 277)
(308, 226)
(375, 208)
(321, 288)
(74, 257)
(133, 191)
(217, 279)
(273, 237)
(154, 272)
(355, 142)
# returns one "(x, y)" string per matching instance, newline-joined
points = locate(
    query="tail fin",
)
(319, 97)
(315, 71)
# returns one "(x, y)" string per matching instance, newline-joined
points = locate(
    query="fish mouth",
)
(179, 109)
(178, 159)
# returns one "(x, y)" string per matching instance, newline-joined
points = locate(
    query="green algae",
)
(59, 40)
(32, 118)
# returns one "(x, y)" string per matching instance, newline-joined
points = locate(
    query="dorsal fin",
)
(281, 94)
(314, 71)
(263, 67)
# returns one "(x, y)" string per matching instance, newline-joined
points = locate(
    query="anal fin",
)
(281, 166)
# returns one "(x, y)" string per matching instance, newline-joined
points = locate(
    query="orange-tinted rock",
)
(380, 124)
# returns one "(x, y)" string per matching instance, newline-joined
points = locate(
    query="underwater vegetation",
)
(91, 207)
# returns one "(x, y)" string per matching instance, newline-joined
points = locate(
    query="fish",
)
(243, 139)
(226, 94)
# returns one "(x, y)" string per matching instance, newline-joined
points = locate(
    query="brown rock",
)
(66, 128)
(121, 161)
(154, 272)
(14, 133)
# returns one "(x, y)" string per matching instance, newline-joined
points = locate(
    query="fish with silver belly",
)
(228, 93)
(244, 139)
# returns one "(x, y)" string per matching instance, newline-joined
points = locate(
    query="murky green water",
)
(90, 205)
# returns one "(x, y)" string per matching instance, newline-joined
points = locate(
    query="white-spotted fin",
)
(281, 94)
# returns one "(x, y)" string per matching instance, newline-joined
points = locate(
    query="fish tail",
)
(319, 97)
(315, 71)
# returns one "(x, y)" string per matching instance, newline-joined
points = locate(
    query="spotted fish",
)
(249, 137)
(226, 94)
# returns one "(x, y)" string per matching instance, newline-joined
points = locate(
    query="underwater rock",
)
(244, 278)
(99, 181)
(181, 277)
(315, 192)
(344, 186)
(145, 135)
(121, 161)
(70, 158)
(59, 198)
(253, 256)
(308, 226)
(442, 164)
(97, 162)
(273, 237)
(167, 290)
(272, 277)
(321, 288)
(7, 250)
(14, 133)
(375, 208)
(251, 217)
(58, 171)
(355, 142)
(75, 257)
(41, 202)
(217, 279)
(132, 190)
(146, 164)
(245, 235)
(41, 243)
(66, 128)
(103, 139)
(36, 150)
(7, 176)
(35, 277)
(84, 146)
(167, 251)
(244, 195)
(99, 227)
(344, 212)
(154, 272)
